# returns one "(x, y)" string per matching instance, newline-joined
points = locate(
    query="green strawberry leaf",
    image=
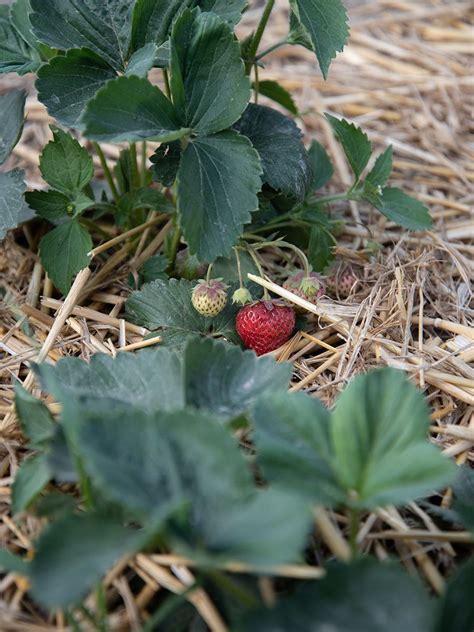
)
(65, 165)
(320, 25)
(51, 204)
(34, 474)
(354, 141)
(35, 419)
(142, 60)
(20, 19)
(152, 20)
(166, 161)
(199, 86)
(15, 54)
(364, 596)
(73, 553)
(167, 305)
(382, 169)
(321, 247)
(217, 184)
(12, 201)
(405, 210)
(228, 10)
(131, 109)
(13, 563)
(463, 504)
(64, 252)
(321, 165)
(278, 140)
(12, 105)
(276, 92)
(457, 607)
(102, 26)
(68, 82)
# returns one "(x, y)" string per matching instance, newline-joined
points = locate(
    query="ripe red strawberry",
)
(340, 284)
(310, 288)
(265, 325)
(209, 297)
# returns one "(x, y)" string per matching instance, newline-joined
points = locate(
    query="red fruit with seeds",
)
(265, 325)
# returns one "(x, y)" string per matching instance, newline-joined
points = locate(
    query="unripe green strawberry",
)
(209, 297)
(311, 288)
(241, 296)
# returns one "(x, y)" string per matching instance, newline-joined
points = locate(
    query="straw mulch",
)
(406, 77)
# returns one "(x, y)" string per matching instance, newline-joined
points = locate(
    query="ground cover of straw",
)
(406, 78)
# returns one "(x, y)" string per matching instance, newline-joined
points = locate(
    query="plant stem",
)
(256, 85)
(143, 165)
(101, 608)
(208, 275)
(174, 246)
(257, 38)
(239, 268)
(251, 251)
(354, 516)
(166, 79)
(325, 199)
(107, 172)
(270, 49)
(134, 166)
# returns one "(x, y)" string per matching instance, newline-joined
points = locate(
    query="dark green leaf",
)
(73, 553)
(51, 204)
(225, 380)
(166, 161)
(278, 140)
(457, 610)
(20, 19)
(60, 460)
(323, 23)
(34, 474)
(218, 181)
(147, 462)
(389, 459)
(463, 489)
(154, 268)
(142, 60)
(65, 165)
(321, 247)
(354, 141)
(15, 54)
(144, 197)
(365, 596)
(293, 446)
(35, 419)
(370, 193)
(274, 91)
(131, 109)
(13, 563)
(69, 82)
(64, 252)
(146, 381)
(103, 26)
(321, 165)
(382, 169)
(229, 10)
(168, 304)
(152, 20)
(12, 202)
(200, 86)
(12, 105)
(405, 210)
(55, 505)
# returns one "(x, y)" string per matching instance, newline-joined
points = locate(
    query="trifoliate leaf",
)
(321, 165)
(457, 607)
(15, 54)
(152, 20)
(365, 596)
(12, 201)
(167, 304)
(321, 247)
(65, 165)
(354, 141)
(320, 25)
(12, 106)
(276, 92)
(34, 474)
(278, 140)
(131, 108)
(200, 86)
(68, 82)
(166, 161)
(51, 204)
(405, 210)
(20, 19)
(142, 60)
(218, 181)
(102, 26)
(229, 10)
(73, 553)
(382, 168)
(64, 253)
(35, 419)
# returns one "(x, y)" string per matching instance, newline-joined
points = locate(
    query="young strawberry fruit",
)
(265, 325)
(310, 288)
(209, 297)
(341, 284)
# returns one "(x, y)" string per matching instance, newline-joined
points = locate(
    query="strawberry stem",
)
(239, 268)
